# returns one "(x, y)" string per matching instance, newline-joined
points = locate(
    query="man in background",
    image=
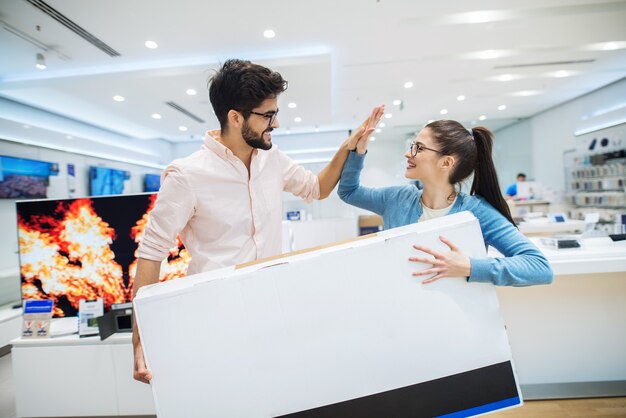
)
(511, 191)
(225, 200)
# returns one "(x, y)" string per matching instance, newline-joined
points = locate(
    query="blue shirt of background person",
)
(444, 154)
(511, 191)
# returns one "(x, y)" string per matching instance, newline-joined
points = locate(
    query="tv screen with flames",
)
(86, 248)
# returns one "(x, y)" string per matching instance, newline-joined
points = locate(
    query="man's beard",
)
(253, 139)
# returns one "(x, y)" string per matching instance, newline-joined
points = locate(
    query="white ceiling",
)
(340, 57)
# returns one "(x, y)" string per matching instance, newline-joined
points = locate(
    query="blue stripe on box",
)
(483, 409)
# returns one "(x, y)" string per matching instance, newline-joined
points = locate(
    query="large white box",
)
(343, 331)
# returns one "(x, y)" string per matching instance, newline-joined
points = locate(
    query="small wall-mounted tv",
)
(23, 178)
(73, 249)
(151, 183)
(106, 181)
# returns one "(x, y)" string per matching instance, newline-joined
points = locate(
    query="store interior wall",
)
(549, 134)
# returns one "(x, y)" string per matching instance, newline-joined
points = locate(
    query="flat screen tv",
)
(86, 248)
(24, 178)
(106, 181)
(151, 183)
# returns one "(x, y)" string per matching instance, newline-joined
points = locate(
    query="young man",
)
(511, 191)
(225, 200)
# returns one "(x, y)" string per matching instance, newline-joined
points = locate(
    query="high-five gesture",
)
(360, 136)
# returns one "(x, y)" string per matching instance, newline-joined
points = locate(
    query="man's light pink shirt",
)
(224, 217)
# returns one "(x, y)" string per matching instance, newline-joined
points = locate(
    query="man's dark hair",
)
(242, 86)
(521, 175)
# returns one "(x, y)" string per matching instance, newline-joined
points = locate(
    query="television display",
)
(151, 183)
(73, 249)
(106, 181)
(23, 178)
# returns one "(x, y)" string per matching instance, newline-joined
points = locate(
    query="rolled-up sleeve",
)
(173, 209)
(298, 180)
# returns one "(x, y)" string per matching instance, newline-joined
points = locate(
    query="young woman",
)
(444, 154)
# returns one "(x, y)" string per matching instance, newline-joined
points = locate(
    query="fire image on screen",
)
(86, 248)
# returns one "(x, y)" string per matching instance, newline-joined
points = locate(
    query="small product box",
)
(36, 318)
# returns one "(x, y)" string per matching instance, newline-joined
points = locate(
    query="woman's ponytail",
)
(485, 178)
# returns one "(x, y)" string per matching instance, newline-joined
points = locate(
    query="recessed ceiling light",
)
(507, 77)
(605, 46)
(408, 84)
(444, 111)
(501, 107)
(182, 128)
(526, 93)
(378, 130)
(268, 33)
(191, 92)
(489, 54)
(317, 129)
(297, 119)
(482, 117)
(373, 138)
(388, 115)
(156, 116)
(561, 74)
(40, 61)
(288, 131)
(381, 125)
(291, 105)
(397, 102)
(460, 98)
(151, 44)
(118, 98)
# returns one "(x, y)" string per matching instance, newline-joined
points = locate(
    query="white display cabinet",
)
(71, 376)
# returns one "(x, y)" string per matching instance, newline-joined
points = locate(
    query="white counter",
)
(574, 330)
(72, 376)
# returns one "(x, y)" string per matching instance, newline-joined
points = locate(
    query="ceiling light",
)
(268, 33)
(444, 111)
(288, 131)
(156, 116)
(561, 74)
(41, 61)
(297, 119)
(490, 54)
(605, 46)
(378, 130)
(118, 98)
(373, 138)
(526, 93)
(507, 77)
(397, 102)
(460, 98)
(182, 128)
(482, 117)
(381, 125)
(408, 84)
(191, 92)
(151, 44)
(316, 129)
(501, 107)
(388, 116)
(291, 105)
(482, 16)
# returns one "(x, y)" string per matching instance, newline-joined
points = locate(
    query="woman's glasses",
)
(417, 147)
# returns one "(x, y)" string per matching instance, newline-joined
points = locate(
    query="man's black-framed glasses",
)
(270, 116)
(417, 147)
